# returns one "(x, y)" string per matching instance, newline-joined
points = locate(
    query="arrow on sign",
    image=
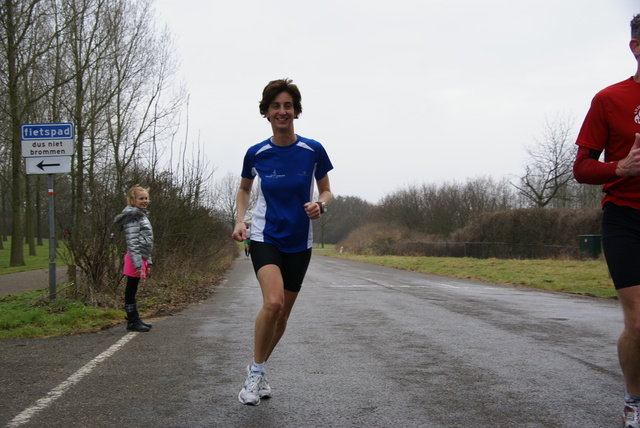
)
(42, 165)
(48, 165)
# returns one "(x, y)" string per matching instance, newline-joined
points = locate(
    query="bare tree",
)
(549, 169)
(320, 226)
(586, 195)
(224, 199)
(405, 207)
(440, 209)
(345, 214)
(122, 69)
(141, 67)
(27, 37)
(87, 42)
(103, 65)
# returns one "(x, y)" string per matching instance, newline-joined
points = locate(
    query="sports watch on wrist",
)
(323, 207)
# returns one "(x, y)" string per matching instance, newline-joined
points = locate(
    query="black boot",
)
(137, 325)
(134, 323)
(132, 308)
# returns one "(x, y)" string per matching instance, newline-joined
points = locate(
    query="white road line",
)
(57, 392)
(448, 285)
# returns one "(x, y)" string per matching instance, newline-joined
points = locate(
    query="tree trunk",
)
(29, 221)
(17, 175)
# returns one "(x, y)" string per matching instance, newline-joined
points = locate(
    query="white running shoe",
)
(264, 390)
(630, 416)
(249, 392)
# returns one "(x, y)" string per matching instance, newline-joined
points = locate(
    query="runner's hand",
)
(630, 166)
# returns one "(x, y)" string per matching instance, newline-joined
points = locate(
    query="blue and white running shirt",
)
(285, 183)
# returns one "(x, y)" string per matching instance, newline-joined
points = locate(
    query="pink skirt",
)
(129, 270)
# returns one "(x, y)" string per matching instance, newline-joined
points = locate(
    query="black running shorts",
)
(621, 244)
(293, 266)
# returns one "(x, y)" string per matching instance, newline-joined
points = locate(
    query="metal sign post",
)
(52, 241)
(47, 149)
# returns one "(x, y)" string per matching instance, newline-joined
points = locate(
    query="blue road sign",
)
(47, 139)
(47, 131)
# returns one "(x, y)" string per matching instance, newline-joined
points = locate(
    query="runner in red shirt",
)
(612, 126)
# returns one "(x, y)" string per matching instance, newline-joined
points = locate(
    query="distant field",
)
(39, 261)
(585, 277)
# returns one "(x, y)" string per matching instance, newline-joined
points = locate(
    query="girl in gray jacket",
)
(134, 222)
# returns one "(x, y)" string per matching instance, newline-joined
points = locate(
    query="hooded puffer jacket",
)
(138, 233)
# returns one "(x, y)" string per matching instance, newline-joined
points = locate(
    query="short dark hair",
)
(635, 27)
(276, 87)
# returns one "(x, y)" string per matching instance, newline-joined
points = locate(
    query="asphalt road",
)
(366, 347)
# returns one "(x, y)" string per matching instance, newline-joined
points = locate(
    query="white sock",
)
(257, 368)
(632, 398)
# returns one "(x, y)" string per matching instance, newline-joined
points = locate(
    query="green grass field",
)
(587, 277)
(39, 261)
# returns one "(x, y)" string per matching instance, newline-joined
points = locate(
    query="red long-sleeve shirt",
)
(610, 126)
(588, 169)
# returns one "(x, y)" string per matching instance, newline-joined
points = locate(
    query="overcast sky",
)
(399, 92)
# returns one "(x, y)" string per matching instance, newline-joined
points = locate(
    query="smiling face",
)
(281, 112)
(142, 200)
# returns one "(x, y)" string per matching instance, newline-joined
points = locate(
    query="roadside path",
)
(20, 282)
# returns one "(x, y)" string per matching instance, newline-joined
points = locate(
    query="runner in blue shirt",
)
(285, 167)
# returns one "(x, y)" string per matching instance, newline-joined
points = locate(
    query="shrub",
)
(189, 239)
(548, 226)
(523, 233)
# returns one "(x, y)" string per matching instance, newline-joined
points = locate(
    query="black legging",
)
(131, 290)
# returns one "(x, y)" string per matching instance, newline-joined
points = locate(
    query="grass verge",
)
(32, 315)
(586, 277)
